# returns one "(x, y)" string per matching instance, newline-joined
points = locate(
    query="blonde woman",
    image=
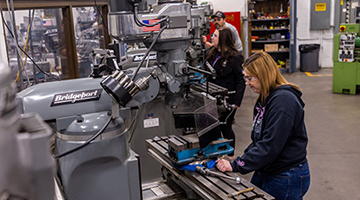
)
(277, 153)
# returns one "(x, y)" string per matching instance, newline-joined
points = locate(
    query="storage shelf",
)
(271, 41)
(269, 20)
(265, 30)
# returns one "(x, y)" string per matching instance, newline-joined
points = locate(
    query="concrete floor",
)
(333, 127)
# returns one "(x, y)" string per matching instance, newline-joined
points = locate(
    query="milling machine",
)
(27, 167)
(94, 159)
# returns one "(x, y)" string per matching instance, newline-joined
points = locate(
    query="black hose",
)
(11, 33)
(147, 53)
(137, 21)
(131, 124)
(225, 122)
(92, 138)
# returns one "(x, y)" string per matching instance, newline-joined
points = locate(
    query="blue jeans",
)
(289, 185)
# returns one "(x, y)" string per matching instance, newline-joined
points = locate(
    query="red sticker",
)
(153, 28)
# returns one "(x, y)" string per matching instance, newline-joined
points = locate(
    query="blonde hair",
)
(262, 66)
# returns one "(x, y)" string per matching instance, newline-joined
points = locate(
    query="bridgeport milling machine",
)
(94, 160)
(27, 167)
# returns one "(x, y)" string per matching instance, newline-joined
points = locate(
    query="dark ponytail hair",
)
(226, 45)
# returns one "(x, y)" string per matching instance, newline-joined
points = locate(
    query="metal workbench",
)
(207, 187)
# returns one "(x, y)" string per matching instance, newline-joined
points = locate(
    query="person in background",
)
(227, 61)
(219, 21)
(277, 153)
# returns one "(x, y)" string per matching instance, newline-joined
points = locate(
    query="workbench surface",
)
(207, 187)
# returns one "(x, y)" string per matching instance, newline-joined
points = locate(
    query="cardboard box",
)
(271, 47)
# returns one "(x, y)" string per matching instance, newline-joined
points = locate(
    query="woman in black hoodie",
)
(277, 153)
(227, 62)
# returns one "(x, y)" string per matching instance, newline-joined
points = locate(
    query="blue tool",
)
(182, 151)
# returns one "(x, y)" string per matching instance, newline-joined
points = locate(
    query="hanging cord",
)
(49, 75)
(225, 122)
(148, 51)
(132, 123)
(103, 21)
(92, 138)
(25, 46)
(143, 24)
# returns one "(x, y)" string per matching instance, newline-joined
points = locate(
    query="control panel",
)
(346, 48)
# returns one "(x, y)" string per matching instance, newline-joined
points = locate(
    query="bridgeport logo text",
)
(76, 97)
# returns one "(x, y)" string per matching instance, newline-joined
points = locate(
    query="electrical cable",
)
(25, 46)
(104, 23)
(143, 24)
(13, 26)
(137, 23)
(147, 62)
(92, 138)
(225, 122)
(148, 51)
(18, 46)
(131, 124)
(49, 75)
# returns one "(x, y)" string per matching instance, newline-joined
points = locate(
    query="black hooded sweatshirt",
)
(229, 75)
(279, 137)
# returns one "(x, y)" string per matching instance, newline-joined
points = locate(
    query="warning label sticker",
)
(320, 7)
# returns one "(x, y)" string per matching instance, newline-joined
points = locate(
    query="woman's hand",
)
(223, 165)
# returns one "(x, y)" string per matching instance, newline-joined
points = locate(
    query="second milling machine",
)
(94, 160)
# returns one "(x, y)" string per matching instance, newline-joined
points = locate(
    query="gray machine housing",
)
(27, 168)
(107, 164)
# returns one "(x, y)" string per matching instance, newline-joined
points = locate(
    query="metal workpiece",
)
(206, 171)
(208, 187)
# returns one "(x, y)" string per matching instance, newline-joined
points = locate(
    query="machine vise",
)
(186, 149)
